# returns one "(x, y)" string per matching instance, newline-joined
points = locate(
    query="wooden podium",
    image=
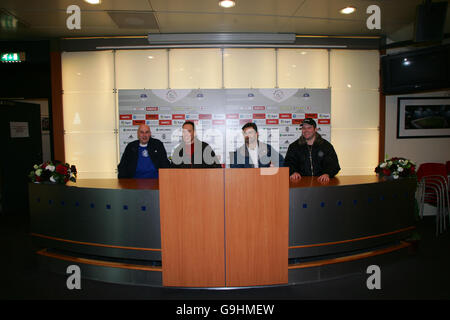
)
(224, 227)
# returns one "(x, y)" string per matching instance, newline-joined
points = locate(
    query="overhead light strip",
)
(220, 38)
(338, 37)
(222, 46)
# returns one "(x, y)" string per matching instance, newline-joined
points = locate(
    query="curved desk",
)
(112, 228)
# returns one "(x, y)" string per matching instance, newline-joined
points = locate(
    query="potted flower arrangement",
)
(53, 172)
(396, 168)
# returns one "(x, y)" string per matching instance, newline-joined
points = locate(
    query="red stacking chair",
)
(447, 165)
(433, 189)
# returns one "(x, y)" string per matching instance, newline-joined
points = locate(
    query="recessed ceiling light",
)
(93, 1)
(227, 3)
(347, 10)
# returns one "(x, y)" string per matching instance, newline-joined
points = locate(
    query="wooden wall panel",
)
(192, 227)
(257, 227)
(57, 107)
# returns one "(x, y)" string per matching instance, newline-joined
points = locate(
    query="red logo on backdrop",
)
(311, 115)
(125, 117)
(285, 115)
(165, 122)
(233, 116)
(244, 121)
(272, 121)
(151, 108)
(178, 116)
(259, 116)
(259, 108)
(152, 116)
(138, 122)
(205, 116)
(218, 122)
(297, 121)
(324, 121)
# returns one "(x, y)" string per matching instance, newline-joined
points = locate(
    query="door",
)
(21, 144)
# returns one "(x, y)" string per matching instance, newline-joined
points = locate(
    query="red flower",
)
(412, 169)
(61, 169)
(386, 172)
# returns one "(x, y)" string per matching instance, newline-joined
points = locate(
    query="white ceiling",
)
(47, 18)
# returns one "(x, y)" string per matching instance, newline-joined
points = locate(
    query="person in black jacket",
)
(193, 153)
(143, 157)
(311, 155)
(254, 154)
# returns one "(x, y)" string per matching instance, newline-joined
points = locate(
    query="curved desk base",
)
(305, 272)
(112, 230)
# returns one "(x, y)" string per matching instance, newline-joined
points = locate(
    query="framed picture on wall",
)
(427, 117)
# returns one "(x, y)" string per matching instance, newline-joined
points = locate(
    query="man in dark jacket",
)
(143, 157)
(254, 154)
(193, 153)
(311, 155)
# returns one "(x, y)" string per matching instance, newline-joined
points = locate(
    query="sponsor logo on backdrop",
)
(218, 122)
(259, 122)
(259, 116)
(232, 122)
(192, 116)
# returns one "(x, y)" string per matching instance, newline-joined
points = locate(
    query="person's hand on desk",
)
(325, 178)
(295, 176)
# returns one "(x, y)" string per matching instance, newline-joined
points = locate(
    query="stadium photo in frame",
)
(423, 117)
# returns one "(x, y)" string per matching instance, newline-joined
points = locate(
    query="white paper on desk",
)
(19, 129)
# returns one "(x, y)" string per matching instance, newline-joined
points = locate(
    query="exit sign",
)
(12, 56)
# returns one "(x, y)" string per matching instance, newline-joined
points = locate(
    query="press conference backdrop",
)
(219, 115)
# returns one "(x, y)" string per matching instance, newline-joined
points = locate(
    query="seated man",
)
(254, 154)
(143, 157)
(193, 153)
(311, 155)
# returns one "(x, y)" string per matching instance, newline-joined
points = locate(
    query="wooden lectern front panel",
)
(257, 226)
(192, 227)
